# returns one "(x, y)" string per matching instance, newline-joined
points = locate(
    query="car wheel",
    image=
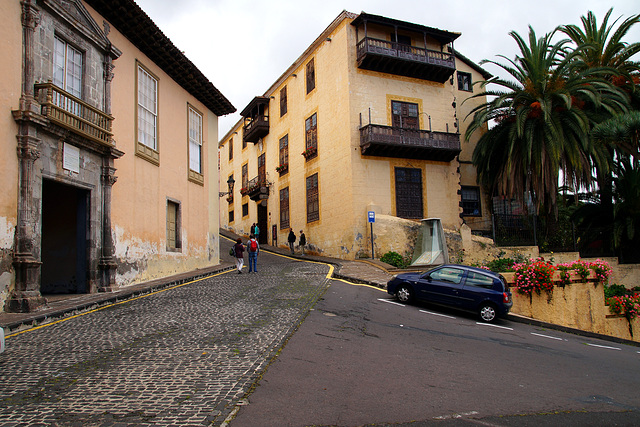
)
(488, 313)
(404, 293)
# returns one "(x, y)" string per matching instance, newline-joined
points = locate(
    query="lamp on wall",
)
(230, 183)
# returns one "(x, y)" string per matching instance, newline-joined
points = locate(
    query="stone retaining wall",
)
(579, 305)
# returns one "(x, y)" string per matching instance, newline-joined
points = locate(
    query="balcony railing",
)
(72, 113)
(257, 188)
(256, 128)
(401, 59)
(387, 141)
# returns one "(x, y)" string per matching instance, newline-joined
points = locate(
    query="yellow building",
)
(108, 171)
(369, 118)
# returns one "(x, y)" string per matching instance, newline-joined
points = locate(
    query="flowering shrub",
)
(629, 305)
(565, 276)
(602, 269)
(581, 267)
(534, 276)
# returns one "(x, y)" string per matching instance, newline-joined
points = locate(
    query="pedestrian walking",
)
(256, 232)
(253, 248)
(239, 249)
(291, 239)
(302, 241)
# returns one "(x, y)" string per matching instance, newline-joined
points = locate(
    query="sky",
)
(243, 46)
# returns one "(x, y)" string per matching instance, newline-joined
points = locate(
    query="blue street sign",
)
(372, 216)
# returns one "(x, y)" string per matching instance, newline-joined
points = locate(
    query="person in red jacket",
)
(253, 248)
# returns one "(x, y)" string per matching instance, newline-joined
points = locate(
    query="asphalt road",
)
(362, 359)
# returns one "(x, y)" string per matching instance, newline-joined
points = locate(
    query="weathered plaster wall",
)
(143, 189)
(10, 90)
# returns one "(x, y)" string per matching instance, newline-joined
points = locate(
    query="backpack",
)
(232, 251)
(253, 245)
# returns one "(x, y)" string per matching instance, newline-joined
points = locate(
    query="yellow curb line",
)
(115, 303)
(329, 274)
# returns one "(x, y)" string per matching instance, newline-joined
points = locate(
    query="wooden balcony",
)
(403, 60)
(256, 119)
(72, 113)
(256, 128)
(387, 141)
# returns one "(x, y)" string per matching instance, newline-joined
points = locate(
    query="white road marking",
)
(437, 314)
(604, 346)
(494, 326)
(456, 416)
(547, 336)
(391, 302)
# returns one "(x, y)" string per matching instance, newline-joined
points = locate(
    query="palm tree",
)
(543, 121)
(603, 46)
(622, 132)
(626, 212)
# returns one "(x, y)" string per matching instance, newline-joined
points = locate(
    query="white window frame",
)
(195, 140)
(67, 67)
(147, 109)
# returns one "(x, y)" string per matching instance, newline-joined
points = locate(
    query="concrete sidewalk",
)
(368, 272)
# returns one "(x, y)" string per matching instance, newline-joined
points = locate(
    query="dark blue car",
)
(459, 286)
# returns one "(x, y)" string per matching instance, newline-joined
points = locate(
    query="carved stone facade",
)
(45, 149)
(74, 106)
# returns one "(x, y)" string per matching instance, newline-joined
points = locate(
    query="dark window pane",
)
(284, 208)
(313, 206)
(409, 193)
(283, 101)
(311, 76)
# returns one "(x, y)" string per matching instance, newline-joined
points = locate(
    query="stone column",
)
(26, 295)
(30, 20)
(107, 263)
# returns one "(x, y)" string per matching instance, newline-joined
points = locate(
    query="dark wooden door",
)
(409, 193)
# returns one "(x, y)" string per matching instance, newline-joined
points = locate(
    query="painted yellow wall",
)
(350, 184)
(468, 176)
(139, 201)
(10, 90)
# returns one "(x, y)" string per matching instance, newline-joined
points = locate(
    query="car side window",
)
(478, 279)
(448, 274)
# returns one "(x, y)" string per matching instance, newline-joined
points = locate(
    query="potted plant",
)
(310, 152)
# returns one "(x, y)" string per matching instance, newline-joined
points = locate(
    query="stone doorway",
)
(64, 239)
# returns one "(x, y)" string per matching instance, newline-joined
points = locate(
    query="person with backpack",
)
(253, 247)
(239, 251)
(291, 239)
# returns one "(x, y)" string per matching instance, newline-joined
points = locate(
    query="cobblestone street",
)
(181, 356)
